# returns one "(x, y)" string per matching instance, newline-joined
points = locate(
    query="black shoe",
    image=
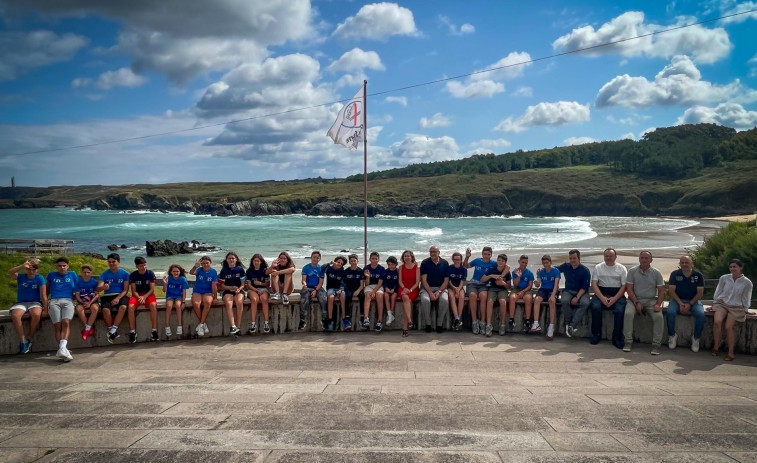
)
(303, 324)
(440, 329)
(112, 337)
(428, 329)
(132, 337)
(154, 337)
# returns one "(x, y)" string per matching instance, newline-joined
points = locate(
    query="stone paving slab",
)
(67, 421)
(162, 456)
(166, 395)
(583, 441)
(339, 456)
(616, 457)
(671, 442)
(671, 400)
(75, 407)
(743, 457)
(71, 438)
(23, 455)
(356, 440)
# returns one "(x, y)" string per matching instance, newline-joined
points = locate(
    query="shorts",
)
(495, 294)
(334, 292)
(176, 300)
(61, 309)
(25, 306)
(372, 288)
(476, 287)
(151, 299)
(106, 302)
(259, 290)
(735, 312)
(544, 293)
(232, 293)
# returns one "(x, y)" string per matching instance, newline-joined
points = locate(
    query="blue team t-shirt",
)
(525, 279)
(232, 276)
(457, 274)
(118, 281)
(258, 275)
(352, 278)
(86, 289)
(62, 286)
(28, 288)
(548, 278)
(204, 280)
(312, 274)
(175, 287)
(480, 268)
(392, 279)
(376, 274)
(334, 277)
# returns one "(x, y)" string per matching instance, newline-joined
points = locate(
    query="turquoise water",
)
(299, 235)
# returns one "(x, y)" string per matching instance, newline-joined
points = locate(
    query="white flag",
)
(348, 129)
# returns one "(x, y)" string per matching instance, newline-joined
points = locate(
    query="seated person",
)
(523, 281)
(548, 282)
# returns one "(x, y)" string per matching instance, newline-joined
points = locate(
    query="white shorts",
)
(25, 306)
(61, 309)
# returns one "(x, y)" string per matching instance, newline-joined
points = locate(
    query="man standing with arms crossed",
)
(434, 281)
(646, 292)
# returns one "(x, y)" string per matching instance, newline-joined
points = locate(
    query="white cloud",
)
(753, 66)
(81, 82)
(123, 77)
(378, 21)
(486, 146)
(21, 52)
(578, 141)
(454, 29)
(275, 84)
(705, 45)
(550, 114)
(628, 136)
(357, 60)
(679, 83)
(740, 8)
(485, 84)
(420, 148)
(351, 80)
(524, 91)
(184, 38)
(437, 120)
(728, 114)
(402, 100)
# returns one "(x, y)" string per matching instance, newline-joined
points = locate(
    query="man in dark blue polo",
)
(434, 281)
(574, 299)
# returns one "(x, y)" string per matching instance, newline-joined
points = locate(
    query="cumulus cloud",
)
(705, 45)
(435, 121)
(378, 21)
(753, 66)
(550, 114)
(486, 146)
(740, 8)
(420, 148)
(524, 91)
(454, 29)
(484, 83)
(628, 136)
(81, 82)
(21, 52)
(401, 100)
(728, 114)
(276, 83)
(578, 141)
(184, 38)
(123, 77)
(357, 60)
(679, 83)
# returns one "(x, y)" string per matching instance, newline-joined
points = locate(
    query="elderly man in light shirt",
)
(608, 280)
(732, 300)
(646, 292)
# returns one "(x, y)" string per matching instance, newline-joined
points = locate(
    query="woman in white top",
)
(732, 300)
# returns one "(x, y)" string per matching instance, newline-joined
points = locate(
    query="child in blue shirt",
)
(457, 275)
(478, 290)
(548, 282)
(114, 283)
(312, 288)
(61, 285)
(31, 298)
(391, 287)
(175, 285)
(232, 281)
(205, 292)
(523, 281)
(87, 296)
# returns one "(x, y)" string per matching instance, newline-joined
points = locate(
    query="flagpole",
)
(365, 173)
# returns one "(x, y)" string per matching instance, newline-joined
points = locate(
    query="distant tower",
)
(13, 182)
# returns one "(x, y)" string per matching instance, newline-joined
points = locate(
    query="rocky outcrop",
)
(169, 248)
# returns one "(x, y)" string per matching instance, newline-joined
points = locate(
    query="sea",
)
(299, 235)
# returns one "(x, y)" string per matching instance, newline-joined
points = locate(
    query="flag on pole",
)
(348, 129)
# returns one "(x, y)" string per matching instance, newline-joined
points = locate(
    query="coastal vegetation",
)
(693, 170)
(738, 240)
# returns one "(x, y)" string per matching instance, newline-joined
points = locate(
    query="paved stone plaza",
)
(365, 397)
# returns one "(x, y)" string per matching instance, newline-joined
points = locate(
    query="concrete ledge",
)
(285, 318)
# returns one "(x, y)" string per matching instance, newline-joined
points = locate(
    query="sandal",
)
(715, 352)
(404, 333)
(728, 358)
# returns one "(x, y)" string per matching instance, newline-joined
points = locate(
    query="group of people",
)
(626, 292)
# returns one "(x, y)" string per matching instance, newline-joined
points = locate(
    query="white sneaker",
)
(200, 329)
(205, 328)
(60, 353)
(551, 331)
(275, 297)
(694, 344)
(389, 318)
(67, 357)
(673, 341)
(168, 331)
(179, 331)
(535, 328)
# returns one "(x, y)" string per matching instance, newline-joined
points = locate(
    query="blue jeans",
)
(618, 312)
(697, 310)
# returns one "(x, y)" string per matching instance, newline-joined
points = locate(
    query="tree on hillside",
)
(735, 241)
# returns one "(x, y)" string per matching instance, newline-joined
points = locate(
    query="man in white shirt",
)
(732, 300)
(608, 280)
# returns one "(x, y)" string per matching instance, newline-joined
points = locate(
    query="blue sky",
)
(82, 72)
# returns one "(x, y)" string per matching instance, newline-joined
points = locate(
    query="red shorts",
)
(412, 295)
(151, 299)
